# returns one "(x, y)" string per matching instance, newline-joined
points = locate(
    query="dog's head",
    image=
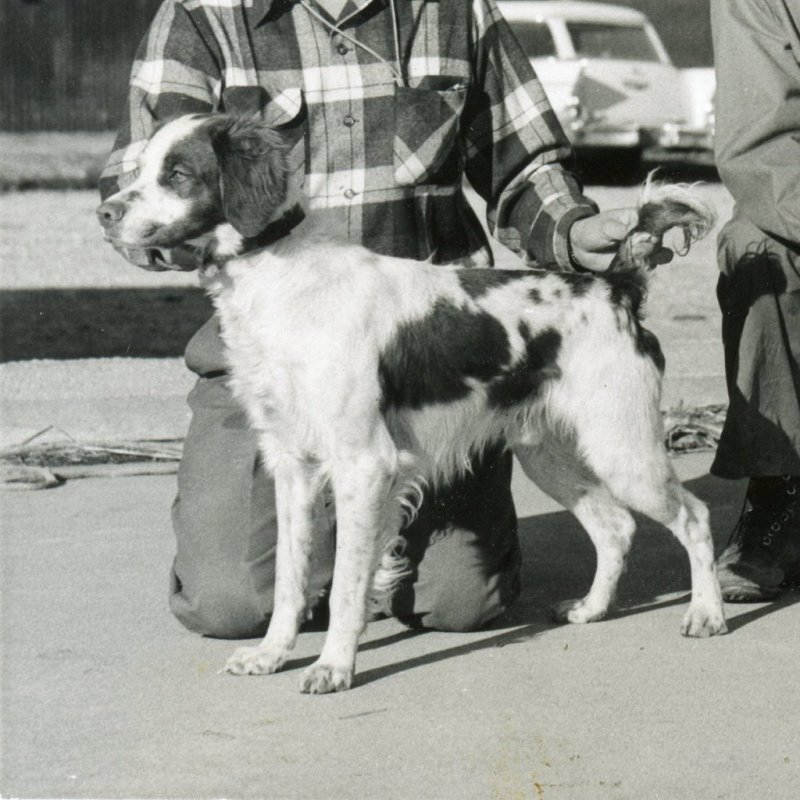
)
(195, 173)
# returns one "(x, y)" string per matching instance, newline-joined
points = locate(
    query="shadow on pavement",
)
(758, 611)
(501, 639)
(559, 563)
(99, 323)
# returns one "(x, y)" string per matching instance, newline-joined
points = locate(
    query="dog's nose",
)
(110, 212)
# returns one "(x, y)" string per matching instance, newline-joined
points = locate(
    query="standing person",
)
(757, 55)
(390, 104)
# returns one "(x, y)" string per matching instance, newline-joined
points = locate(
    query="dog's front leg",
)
(363, 494)
(301, 523)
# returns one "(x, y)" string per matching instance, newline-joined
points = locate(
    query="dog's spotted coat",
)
(381, 376)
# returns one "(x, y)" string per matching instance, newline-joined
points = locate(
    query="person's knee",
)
(222, 617)
(460, 588)
(461, 611)
(219, 611)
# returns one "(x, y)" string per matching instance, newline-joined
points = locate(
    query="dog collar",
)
(276, 230)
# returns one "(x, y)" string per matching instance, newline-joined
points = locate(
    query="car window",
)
(628, 42)
(535, 38)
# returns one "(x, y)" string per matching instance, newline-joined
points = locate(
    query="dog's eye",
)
(178, 176)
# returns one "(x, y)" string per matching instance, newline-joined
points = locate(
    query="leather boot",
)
(762, 558)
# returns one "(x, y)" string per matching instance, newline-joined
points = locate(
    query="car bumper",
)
(676, 143)
(669, 143)
(591, 136)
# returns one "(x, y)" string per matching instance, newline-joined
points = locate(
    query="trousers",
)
(463, 547)
(759, 296)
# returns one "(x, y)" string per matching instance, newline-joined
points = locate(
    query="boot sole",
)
(749, 593)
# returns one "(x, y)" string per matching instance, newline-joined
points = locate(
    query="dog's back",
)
(384, 376)
(451, 359)
(379, 375)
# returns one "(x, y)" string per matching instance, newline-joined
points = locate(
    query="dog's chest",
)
(263, 351)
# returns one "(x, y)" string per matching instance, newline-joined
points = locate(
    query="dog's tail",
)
(662, 206)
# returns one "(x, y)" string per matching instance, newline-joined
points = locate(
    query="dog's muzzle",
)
(110, 213)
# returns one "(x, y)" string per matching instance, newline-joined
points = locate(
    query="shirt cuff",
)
(561, 254)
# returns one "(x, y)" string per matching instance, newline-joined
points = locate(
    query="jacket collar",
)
(265, 8)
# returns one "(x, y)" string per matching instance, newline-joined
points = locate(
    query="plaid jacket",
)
(383, 142)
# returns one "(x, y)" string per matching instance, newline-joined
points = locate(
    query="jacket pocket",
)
(426, 126)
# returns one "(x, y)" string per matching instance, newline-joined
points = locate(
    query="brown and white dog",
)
(380, 376)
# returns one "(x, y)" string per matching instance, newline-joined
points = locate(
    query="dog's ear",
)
(253, 170)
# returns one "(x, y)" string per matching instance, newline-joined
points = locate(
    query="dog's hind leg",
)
(367, 513)
(687, 518)
(610, 527)
(556, 468)
(301, 520)
(632, 462)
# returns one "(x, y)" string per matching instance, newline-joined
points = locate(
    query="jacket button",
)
(342, 49)
(349, 194)
(349, 121)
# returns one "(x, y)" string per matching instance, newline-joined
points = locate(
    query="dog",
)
(380, 376)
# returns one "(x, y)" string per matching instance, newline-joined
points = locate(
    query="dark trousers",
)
(759, 295)
(463, 545)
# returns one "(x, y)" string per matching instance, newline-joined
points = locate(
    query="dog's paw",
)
(255, 661)
(322, 678)
(576, 611)
(699, 623)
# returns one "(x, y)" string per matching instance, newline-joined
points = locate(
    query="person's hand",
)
(595, 240)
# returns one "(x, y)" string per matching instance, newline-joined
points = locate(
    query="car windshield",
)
(535, 38)
(626, 42)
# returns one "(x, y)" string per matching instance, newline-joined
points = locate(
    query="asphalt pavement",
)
(104, 695)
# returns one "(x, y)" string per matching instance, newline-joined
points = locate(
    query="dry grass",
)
(688, 430)
(52, 160)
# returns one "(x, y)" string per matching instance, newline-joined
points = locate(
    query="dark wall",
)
(64, 64)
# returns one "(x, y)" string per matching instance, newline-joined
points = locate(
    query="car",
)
(612, 83)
